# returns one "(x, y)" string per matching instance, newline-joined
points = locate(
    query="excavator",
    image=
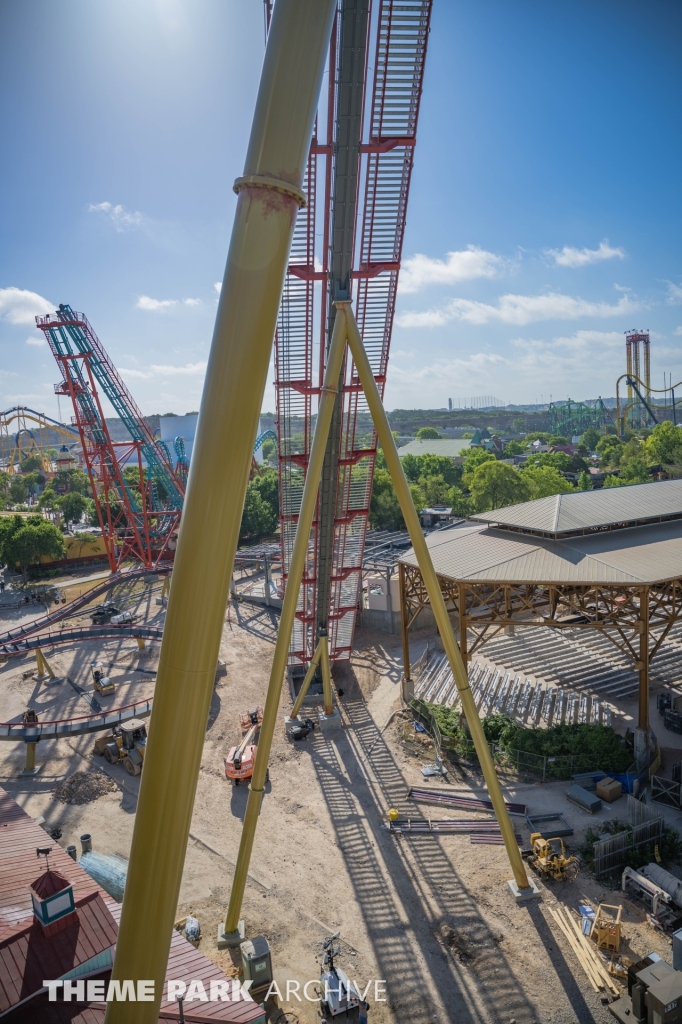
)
(241, 759)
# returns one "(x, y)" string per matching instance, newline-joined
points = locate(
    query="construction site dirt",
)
(428, 918)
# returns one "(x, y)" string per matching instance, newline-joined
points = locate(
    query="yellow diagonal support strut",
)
(428, 572)
(286, 622)
(269, 197)
(305, 685)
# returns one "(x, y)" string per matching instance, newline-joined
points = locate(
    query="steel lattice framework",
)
(370, 214)
(139, 519)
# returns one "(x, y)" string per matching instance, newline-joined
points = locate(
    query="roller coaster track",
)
(33, 732)
(77, 635)
(15, 635)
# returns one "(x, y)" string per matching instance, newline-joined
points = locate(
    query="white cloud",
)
(674, 294)
(154, 305)
(570, 257)
(516, 309)
(162, 370)
(22, 307)
(678, 331)
(190, 369)
(419, 271)
(36, 339)
(158, 305)
(123, 220)
(218, 286)
(528, 369)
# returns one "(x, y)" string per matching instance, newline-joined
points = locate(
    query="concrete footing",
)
(29, 772)
(524, 895)
(330, 725)
(231, 940)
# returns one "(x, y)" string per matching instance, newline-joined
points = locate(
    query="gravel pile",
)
(84, 787)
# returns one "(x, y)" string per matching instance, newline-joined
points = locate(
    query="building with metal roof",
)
(588, 511)
(449, 447)
(608, 560)
(83, 944)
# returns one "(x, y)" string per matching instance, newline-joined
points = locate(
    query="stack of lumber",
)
(587, 953)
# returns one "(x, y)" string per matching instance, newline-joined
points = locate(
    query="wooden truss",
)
(635, 618)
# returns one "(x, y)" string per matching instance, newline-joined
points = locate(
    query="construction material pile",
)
(84, 787)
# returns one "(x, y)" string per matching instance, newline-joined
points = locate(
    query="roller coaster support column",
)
(230, 935)
(521, 888)
(269, 197)
(44, 667)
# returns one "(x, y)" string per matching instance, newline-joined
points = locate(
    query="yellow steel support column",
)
(44, 667)
(435, 597)
(326, 676)
(30, 766)
(286, 623)
(269, 197)
(307, 681)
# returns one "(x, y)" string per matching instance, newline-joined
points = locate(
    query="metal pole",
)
(266, 571)
(326, 675)
(643, 722)
(269, 197)
(436, 600)
(308, 680)
(389, 600)
(279, 662)
(404, 627)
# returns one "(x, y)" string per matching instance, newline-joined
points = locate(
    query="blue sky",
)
(544, 216)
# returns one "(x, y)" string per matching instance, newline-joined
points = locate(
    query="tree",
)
(546, 480)
(18, 490)
(72, 480)
(633, 463)
(584, 481)
(495, 484)
(31, 463)
(384, 509)
(267, 485)
(412, 467)
(664, 444)
(258, 518)
(440, 465)
(24, 541)
(609, 448)
(48, 501)
(475, 457)
(518, 424)
(591, 438)
(427, 434)
(612, 481)
(434, 490)
(515, 448)
(72, 506)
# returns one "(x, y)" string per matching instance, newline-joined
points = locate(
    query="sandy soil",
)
(430, 917)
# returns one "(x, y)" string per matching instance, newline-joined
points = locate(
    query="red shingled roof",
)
(19, 837)
(28, 955)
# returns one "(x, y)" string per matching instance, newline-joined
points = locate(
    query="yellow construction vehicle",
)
(127, 743)
(549, 858)
(100, 680)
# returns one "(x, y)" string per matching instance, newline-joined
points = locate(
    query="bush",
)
(598, 743)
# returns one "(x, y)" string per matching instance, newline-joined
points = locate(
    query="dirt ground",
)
(429, 919)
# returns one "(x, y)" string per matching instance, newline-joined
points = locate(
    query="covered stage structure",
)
(608, 561)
